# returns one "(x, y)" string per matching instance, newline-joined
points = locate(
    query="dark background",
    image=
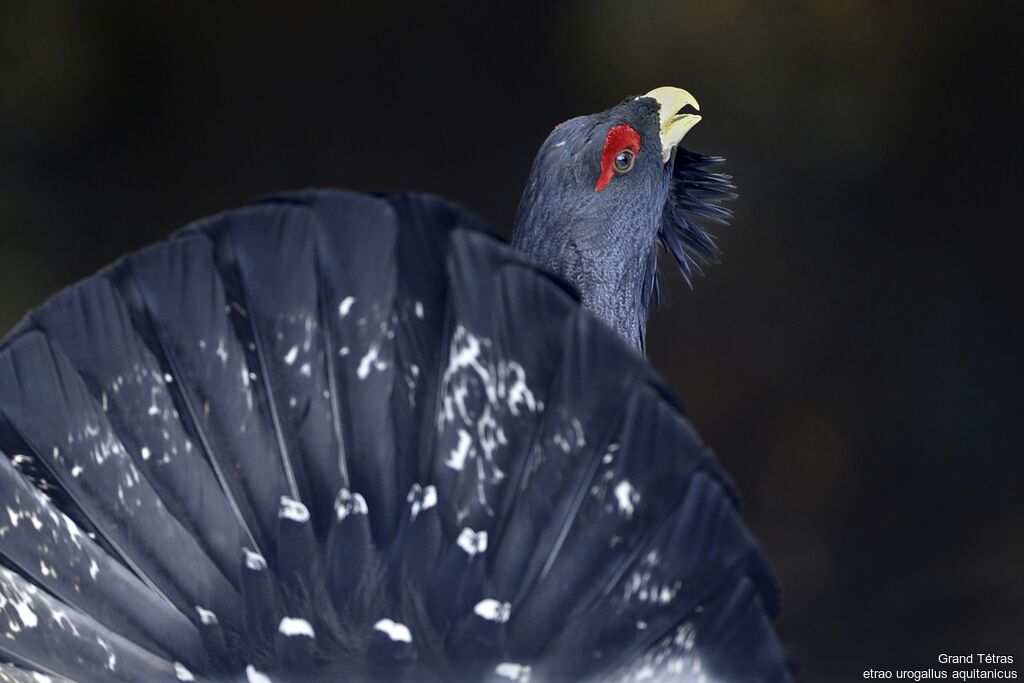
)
(855, 359)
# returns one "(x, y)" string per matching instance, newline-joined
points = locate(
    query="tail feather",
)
(50, 550)
(9, 673)
(361, 286)
(339, 435)
(91, 326)
(629, 491)
(584, 407)
(729, 639)
(47, 404)
(52, 637)
(211, 373)
(420, 333)
(266, 254)
(504, 344)
(666, 582)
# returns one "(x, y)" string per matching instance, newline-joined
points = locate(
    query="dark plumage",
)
(694, 194)
(606, 242)
(332, 436)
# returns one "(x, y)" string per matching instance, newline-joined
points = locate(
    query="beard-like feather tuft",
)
(695, 196)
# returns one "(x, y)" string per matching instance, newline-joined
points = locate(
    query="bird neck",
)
(609, 276)
(615, 296)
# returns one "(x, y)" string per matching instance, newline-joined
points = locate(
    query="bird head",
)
(606, 189)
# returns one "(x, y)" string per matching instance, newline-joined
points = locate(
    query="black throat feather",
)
(695, 195)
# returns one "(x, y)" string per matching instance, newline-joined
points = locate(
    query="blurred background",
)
(855, 360)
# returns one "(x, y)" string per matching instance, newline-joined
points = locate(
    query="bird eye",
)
(620, 150)
(624, 161)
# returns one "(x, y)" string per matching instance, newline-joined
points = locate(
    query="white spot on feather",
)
(370, 361)
(292, 354)
(112, 658)
(519, 392)
(222, 351)
(293, 510)
(394, 630)
(626, 496)
(61, 617)
(291, 626)
(346, 305)
(514, 671)
(24, 609)
(422, 498)
(348, 503)
(457, 459)
(492, 610)
(254, 676)
(472, 542)
(181, 673)
(206, 616)
(254, 561)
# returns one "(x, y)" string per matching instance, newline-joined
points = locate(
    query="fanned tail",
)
(332, 434)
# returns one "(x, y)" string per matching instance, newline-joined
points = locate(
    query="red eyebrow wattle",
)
(619, 138)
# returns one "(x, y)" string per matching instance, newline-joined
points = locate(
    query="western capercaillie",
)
(334, 436)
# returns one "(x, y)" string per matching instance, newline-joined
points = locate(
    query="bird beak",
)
(673, 124)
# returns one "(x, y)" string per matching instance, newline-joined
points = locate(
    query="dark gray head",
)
(605, 190)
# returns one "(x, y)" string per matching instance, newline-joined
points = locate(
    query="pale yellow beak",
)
(674, 125)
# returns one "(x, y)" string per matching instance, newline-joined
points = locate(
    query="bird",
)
(340, 436)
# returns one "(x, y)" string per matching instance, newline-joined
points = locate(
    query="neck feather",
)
(610, 278)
